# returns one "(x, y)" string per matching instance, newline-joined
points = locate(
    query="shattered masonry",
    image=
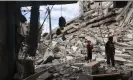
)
(95, 25)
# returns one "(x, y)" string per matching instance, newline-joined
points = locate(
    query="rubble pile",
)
(95, 26)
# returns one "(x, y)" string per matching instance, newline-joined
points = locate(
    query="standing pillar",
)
(33, 34)
(50, 28)
(32, 40)
(8, 21)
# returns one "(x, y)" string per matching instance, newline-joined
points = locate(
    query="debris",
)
(79, 30)
(91, 39)
(55, 62)
(69, 57)
(84, 77)
(129, 65)
(74, 48)
(120, 59)
(91, 67)
(123, 55)
(100, 60)
(44, 76)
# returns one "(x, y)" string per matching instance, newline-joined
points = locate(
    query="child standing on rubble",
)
(89, 51)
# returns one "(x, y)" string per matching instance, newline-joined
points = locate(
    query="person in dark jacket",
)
(89, 50)
(110, 51)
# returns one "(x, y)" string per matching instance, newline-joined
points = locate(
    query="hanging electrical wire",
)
(62, 21)
(61, 10)
(45, 19)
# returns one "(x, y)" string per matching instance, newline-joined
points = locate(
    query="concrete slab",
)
(100, 59)
(120, 59)
(44, 76)
(91, 39)
(91, 67)
(123, 55)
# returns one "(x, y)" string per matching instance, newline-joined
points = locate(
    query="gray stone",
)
(55, 62)
(84, 77)
(91, 39)
(120, 59)
(91, 67)
(123, 55)
(100, 59)
(81, 35)
(44, 76)
(69, 57)
(74, 48)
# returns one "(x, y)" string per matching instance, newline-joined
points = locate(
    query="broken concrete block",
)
(129, 65)
(130, 36)
(55, 62)
(69, 57)
(120, 59)
(74, 48)
(123, 55)
(62, 47)
(72, 30)
(45, 75)
(100, 59)
(118, 52)
(47, 54)
(79, 54)
(94, 57)
(59, 54)
(101, 48)
(91, 67)
(129, 61)
(91, 39)
(103, 54)
(81, 35)
(76, 27)
(39, 61)
(78, 64)
(75, 67)
(121, 44)
(54, 43)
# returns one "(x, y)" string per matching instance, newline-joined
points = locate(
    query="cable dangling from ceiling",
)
(62, 21)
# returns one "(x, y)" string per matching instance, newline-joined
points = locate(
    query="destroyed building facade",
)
(97, 22)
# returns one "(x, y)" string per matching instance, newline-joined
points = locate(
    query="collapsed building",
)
(65, 58)
(95, 23)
